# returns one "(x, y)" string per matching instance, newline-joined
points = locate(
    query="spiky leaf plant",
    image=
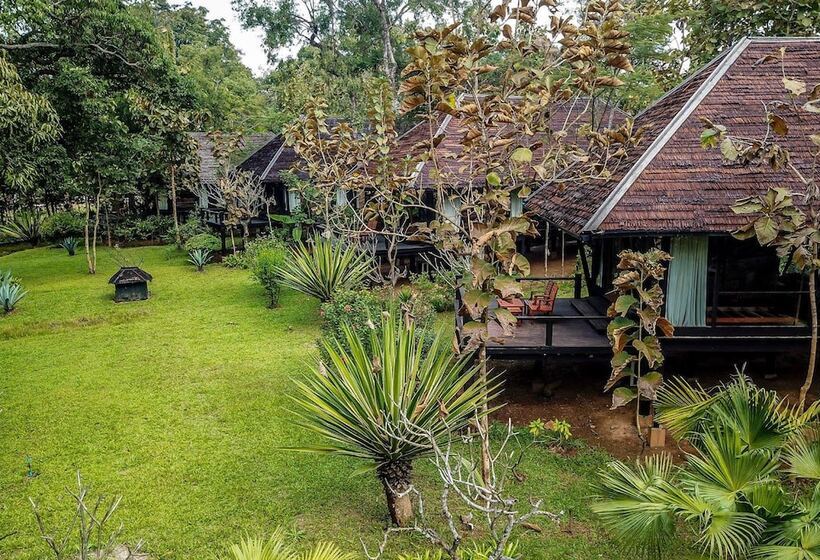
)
(199, 258)
(733, 489)
(379, 405)
(277, 548)
(70, 245)
(24, 227)
(323, 267)
(11, 292)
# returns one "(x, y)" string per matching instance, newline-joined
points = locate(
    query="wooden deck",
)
(572, 332)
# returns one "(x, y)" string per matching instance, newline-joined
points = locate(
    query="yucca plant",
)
(199, 258)
(70, 245)
(323, 267)
(277, 548)
(11, 292)
(379, 405)
(24, 227)
(733, 489)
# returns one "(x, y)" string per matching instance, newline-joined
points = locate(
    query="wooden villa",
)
(669, 192)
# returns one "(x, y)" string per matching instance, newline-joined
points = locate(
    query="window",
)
(162, 201)
(516, 205)
(294, 201)
(451, 208)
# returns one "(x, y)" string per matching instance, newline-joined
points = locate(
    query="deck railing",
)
(548, 320)
(715, 300)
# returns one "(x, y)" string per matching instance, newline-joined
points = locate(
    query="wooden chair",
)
(543, 304)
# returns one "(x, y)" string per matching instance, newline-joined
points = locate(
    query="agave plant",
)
(379, 405)
(24, 227)
(732, 490)
(11, 292)
(277, 548)
(199, 258)
(324, 267)
(70, 245)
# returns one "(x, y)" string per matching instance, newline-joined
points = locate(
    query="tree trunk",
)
(396, 480)
(86, 235)
(177, 237)
(96, 228)
(804, 390)
(389, 65)
(108, 225)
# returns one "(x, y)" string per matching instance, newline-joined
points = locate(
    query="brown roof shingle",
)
(671, 184)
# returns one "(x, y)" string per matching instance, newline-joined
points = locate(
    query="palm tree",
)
(324, 267)
(733, 489)
(382, 404)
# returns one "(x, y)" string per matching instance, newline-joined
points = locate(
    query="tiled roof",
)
(208, 166)
(670, 183)
(455, 171)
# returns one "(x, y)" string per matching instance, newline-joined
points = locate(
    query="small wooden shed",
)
(130, 284)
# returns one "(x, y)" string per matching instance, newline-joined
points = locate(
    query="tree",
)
(636, 322)
(788, 221)
(224, 88)
(361, 402)
(733, 489)
(510, 144)
(28, 124)
(177, 149)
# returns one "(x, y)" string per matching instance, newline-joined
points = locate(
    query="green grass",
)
(178, 403)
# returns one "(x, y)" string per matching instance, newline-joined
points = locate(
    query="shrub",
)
(437, 291)
(199, 258)
(60, 225)
(234, 260)
(191, 227)
(152, 227)
(266, 260)
(70, 245)
(736, 489)
(325, 267)
(24, 227)
(359, 310)
(203, 241)
(11, 292)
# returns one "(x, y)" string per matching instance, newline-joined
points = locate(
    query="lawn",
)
(179, 404)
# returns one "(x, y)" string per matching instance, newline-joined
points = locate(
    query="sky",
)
(248, 42)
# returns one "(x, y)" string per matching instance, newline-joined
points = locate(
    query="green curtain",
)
(686, 288)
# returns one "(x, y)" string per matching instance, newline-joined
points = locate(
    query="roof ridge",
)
(273, 160)
(728, 59)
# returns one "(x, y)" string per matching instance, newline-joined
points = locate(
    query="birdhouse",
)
(130, 284)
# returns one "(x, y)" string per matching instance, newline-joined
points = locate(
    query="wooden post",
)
(577, 292)
(714, 298)
(546, 246)
(548, 333)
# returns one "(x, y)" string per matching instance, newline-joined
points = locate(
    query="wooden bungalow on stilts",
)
(723, 295)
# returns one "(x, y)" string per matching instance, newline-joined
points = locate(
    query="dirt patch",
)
(571, 391)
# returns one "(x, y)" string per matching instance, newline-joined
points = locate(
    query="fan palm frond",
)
(807, 547)
(325, 551)
(256, 548)
(681, 406)
(632, 506)
(803, 454)
(722, 472)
